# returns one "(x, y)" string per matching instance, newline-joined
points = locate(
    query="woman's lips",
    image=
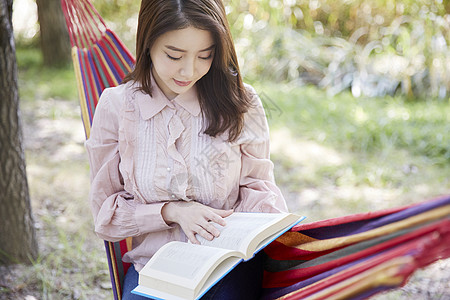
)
(182, 83)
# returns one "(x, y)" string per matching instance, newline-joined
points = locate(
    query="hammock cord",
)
(84, 23)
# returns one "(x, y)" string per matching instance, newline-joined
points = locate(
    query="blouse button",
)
(173, 196)
(168, 169)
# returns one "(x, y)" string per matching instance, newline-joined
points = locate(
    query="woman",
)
(181, 143)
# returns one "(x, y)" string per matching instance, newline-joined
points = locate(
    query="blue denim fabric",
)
(129, 283)
(243, 282)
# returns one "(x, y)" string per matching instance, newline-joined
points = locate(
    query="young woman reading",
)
(181, 143)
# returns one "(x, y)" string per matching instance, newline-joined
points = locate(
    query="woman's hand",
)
(195, 218)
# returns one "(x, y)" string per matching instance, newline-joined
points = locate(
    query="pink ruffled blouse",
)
(145, 151)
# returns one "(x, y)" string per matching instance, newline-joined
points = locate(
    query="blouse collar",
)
(150, 106)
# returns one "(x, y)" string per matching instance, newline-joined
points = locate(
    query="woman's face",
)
(180, 58)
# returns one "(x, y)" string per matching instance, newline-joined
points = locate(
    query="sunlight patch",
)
(303, 151)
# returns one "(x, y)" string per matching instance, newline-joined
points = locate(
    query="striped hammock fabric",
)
(357, 256)
(100, 60)
(351, 257)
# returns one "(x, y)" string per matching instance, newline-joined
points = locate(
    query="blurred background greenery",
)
(370, 47)
(373, 48)
(356, 94)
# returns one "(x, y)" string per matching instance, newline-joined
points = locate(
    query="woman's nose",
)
(187, 70)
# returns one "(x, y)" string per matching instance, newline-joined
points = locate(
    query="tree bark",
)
(55, 43)
(17, 235)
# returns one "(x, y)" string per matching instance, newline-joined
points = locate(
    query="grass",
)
(38, 82)
(72, 262)
(333, 156)
(355, 154)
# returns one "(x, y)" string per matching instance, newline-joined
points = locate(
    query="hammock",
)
(100, 60)
(350, 257)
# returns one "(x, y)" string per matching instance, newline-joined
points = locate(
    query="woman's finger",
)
(191, 236)
(209, 226)
(204, 233)
(218, 218)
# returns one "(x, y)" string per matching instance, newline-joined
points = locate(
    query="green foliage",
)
(374, 48)
(337, 155)
(336, 18)
(38, 82)
(363, 125)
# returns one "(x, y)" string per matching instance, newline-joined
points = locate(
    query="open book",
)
(187, 271)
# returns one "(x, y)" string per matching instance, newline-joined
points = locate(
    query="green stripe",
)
(99, 68)
(119, 263)
(272, 265)
(89, 94)
(116, 58)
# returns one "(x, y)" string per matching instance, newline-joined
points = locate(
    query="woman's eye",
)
(173, 58)
(205, 58)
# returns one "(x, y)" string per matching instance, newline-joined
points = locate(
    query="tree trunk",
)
(55, 44)
(17, 236)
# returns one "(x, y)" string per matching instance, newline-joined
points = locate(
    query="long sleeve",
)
(257, 189)
(117, 214)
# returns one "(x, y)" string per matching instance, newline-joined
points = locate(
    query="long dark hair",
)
(222, 95)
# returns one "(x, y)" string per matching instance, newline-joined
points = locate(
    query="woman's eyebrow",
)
(181, 50)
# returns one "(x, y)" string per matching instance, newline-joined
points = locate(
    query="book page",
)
(183, 260)
(240, 228)
(181, 269)
(219, 272)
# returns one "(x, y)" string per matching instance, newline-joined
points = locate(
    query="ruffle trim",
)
(127, 141)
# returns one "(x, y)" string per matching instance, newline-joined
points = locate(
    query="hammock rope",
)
(350, 257)
(100, 59)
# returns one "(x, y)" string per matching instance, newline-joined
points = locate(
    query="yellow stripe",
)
(111, 75)
(82, 95)
(293, 239)
(321, 245)
(382, 274)
(129, 243)
(115, 272)
(94, 88)
(119, 54)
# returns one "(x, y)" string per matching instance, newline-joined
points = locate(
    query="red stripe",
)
(358, 217)
(74, 25)
(88, 8)
(111, 58)
(119, 70)
(91, 89)
(347, 219)
(290, 277)
(96, 13)
(80, 30)
(123, 250)
(123, 47)
(104, 68)
(87, 24)
(279, 251)
(68, 22)
(432, 246)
